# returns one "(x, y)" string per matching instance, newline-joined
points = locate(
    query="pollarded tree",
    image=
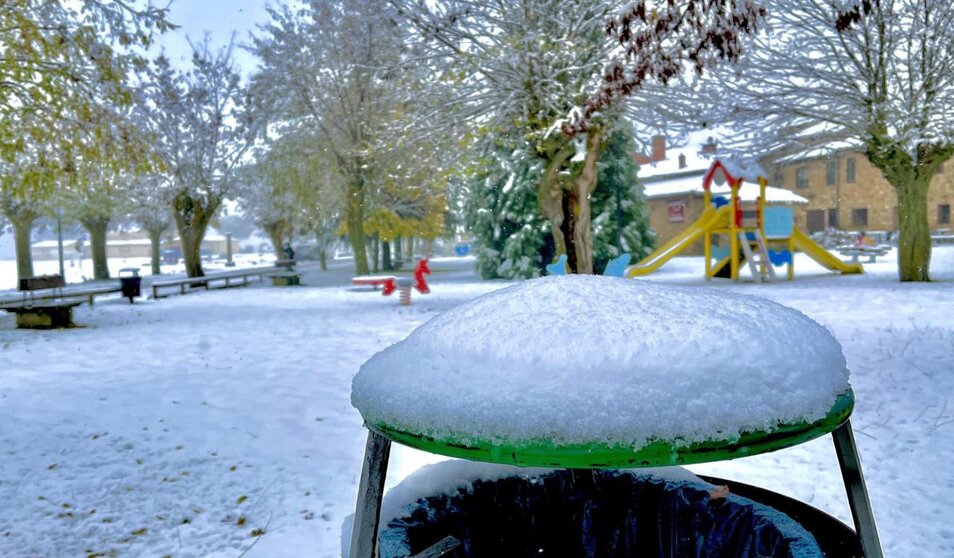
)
(328, 68)
(94, 197)
(25, 189)
(203, 128)
(150, 206)
(64, 82)
(279, 191)
(879, 73)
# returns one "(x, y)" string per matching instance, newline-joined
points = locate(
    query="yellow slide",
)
(710, 219)
(816, 252)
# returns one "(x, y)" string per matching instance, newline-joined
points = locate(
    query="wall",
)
(665, 231)
(870, 190)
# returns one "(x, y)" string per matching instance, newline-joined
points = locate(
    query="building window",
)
(801, 177)
(859, 217)
(850, 170)
(779, 176)
(832, 176)
(944, 214)
(833, 217)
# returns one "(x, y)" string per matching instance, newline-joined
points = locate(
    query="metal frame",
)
(367, 516)
(854, 479)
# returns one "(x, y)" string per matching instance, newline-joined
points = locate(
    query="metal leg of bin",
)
(367, 514)
(854, 479)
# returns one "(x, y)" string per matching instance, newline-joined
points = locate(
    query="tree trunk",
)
(585, 184)
(374, 253)
(386, 256)
(914, 241)
(275, 232)
(22, 226)
(911, 178)
(322, 244)
(155, 239)
(398, 248)
(569, 208)
(552, 200)
(192, 218)
(355, 220)
(410, 249)
(97, 243)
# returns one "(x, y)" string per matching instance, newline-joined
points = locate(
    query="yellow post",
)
(761, 205)
(707, 236)
(791, 263)
(733, 230)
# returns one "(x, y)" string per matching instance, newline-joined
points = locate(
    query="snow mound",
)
(589, 359)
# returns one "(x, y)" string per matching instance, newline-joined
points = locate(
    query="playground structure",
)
(758, 236)
(390, 283)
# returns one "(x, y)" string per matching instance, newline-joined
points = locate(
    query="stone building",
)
(846, 192)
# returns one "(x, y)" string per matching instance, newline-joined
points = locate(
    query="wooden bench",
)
(871, 252)
(41, 304)
(285, 278)
(234, 278)
(285, 274)
(47, 314)
(940, 239)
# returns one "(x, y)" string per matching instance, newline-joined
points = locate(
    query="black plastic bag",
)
(596, 514)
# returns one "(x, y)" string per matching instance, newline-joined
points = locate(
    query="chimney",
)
(709, 147)
(659, 148)
(682, 160)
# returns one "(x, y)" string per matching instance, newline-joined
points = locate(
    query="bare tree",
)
(327, 68)
(65, 81)
(874, 73)
(203, 129)
(150, 205)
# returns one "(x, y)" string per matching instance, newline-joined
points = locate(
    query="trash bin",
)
(131, 282)
(596, 513)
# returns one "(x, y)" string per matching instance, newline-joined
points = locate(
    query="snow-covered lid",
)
(577, 360)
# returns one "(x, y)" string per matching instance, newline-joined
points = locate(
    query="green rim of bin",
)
(660, 453)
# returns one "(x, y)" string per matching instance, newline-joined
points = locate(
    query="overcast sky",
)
(220, 18)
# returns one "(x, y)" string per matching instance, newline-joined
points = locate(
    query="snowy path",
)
(180, 427)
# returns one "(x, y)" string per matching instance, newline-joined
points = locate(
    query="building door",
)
(815, 220)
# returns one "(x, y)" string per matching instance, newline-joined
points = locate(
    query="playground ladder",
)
(764, 260)
(756, 264)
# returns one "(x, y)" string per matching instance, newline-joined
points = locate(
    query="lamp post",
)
(59, 239)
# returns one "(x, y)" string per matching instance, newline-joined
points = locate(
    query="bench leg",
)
(367, 514)
(48, 318)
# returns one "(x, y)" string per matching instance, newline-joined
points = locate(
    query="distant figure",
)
(863, 240)
(289, 252)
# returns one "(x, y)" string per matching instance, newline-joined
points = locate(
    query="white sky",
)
(220, 18)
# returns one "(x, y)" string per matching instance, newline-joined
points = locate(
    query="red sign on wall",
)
(677, 212)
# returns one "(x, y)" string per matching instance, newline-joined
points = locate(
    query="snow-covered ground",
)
(188, 426)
